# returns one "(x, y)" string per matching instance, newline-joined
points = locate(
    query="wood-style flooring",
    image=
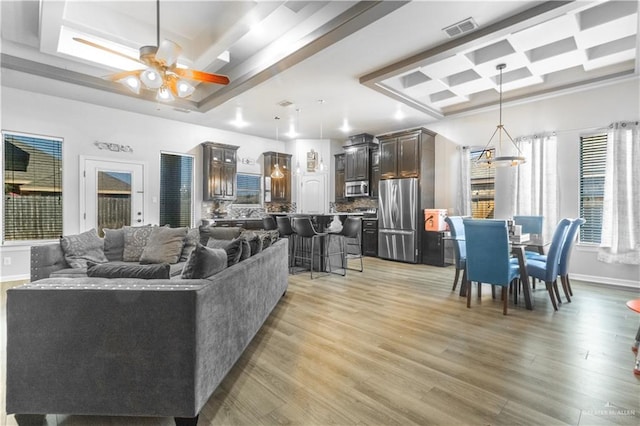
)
(395, 346)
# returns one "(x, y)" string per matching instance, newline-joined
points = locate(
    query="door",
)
(312, 194)
(112, 194)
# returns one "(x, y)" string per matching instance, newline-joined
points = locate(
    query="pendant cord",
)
(158, 23)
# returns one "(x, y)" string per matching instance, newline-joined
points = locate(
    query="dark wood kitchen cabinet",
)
(277, 189)
(370, 237)
(401, 153)
(339, 168)
(375, 173)
(219, 171)
(357, 163)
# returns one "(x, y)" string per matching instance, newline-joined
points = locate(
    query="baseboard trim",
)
(9, 278)
(606, 280)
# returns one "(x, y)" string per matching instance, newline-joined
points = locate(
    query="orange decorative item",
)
(434, 219)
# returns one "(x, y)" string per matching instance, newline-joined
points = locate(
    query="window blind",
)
(32, 187)
(482, 187)
(248, 188)
(176, 184)
(593, 150)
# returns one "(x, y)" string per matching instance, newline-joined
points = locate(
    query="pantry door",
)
(112, 194)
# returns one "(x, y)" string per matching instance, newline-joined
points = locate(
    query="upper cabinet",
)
(277, 189)
(401, 154)
(340, 168)
(219, 171)
(357, 163)
(375, 173)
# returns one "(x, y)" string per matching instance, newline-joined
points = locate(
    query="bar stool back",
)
(351, 238)
(309, 238)
(286, 231)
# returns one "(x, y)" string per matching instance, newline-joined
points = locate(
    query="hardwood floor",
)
(395, 346)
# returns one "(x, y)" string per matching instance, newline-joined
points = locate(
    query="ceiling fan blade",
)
(124, 74)
(202, 76)
(106, 49)
(168, 53)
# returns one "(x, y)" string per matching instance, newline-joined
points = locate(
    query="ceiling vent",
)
(285, 104)
(461, 27)
(186, 111)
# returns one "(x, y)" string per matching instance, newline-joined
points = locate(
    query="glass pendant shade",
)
(184, 88)
(277, 173)
(132, 83)
(165, 95)
(151, 78)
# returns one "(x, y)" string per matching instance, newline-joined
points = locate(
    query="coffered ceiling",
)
(377, 66)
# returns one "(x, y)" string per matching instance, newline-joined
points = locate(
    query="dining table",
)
(518, 249)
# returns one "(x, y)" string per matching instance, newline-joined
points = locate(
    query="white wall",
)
(570, 116)
(81, 124)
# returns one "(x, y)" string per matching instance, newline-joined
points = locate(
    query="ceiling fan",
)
(161, 71)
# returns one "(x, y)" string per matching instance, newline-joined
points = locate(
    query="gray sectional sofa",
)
(134, 347)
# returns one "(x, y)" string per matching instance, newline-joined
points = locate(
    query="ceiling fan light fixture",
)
(151, 78)
(132, 83)
(165, 95)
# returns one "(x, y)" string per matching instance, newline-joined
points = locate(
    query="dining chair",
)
(488, 256)
(565, 256)
(547, 269)
(456, 227)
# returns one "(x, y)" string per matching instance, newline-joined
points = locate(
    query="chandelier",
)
(485, 157)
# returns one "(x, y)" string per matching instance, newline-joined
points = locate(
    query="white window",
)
(593, 150)
(176, 189)
(32, 187)
(248, 189)
(482, 187)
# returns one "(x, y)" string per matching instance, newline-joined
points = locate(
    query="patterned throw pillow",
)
(254, 240)
(80, 248)
(233, 249)
(135, 240)
(164, 245)
(218, 233)
(204, 262)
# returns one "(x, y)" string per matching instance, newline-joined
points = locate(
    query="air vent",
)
(186, 111)
(285, 104)
(461, 27)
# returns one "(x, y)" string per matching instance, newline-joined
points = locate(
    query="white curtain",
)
(463, 203)
(620, 241)
(534, 192)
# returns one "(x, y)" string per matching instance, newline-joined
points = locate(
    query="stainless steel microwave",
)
(359, 188)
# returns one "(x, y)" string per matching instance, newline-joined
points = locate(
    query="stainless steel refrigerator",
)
(398, 219)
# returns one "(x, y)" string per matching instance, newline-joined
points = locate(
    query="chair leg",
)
(455, 280)
(468, 286)
(565, 287)
(569, 284)
(551, 296)
(555, 289)
(505, 299)
(479, 290)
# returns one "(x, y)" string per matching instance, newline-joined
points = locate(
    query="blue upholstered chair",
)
(456, 227)
(546, 269)
(565, 256)
(487, 243)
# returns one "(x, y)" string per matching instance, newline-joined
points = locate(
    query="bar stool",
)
(286, 231)
(268, 223)
(350, 237)
(309, 236)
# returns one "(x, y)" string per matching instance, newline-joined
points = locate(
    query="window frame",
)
(192, 189)
(28, 242)
(259, 191)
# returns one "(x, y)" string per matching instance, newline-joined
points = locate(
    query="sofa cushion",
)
(218, 233)
(69, 273)
(192, 238)
(113, 243)
(164, 245)
(204, 262)
(135, 240)
(232, 247)
(246, 250)
(118, 270)
(80, 248)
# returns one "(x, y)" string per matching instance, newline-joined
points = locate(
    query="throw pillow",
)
(117, 270)
(266, 240)
(246, 250)
(80, 248)
(193, 237)
(164, 245)
(113, 243)
(204, 262)
(233, 249)
(135, 240)
(254, 240)
(218, 233)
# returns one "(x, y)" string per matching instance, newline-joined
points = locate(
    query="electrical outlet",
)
(7, 261)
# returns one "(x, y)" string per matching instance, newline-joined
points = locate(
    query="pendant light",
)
(485, 157)
(276, 173)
